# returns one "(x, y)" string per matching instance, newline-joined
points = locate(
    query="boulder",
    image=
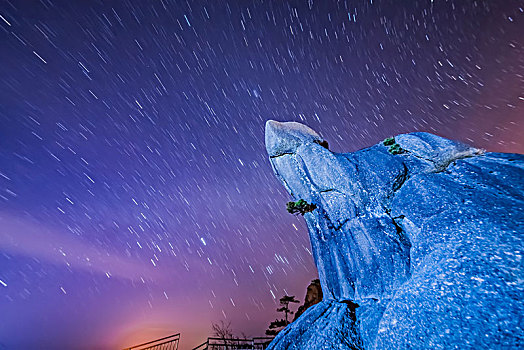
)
(417, 242)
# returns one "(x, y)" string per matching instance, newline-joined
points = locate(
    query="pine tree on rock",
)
(284, 301)
(277, 325)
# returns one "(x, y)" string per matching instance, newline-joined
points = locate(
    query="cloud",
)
(25, 237)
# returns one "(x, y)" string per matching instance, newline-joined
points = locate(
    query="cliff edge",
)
(417, 241)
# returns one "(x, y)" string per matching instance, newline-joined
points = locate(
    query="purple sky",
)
(136, 199)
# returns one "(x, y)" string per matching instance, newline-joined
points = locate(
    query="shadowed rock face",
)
(418, 249)
(313, 296)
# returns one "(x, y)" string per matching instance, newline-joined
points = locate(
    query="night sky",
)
(136, 198)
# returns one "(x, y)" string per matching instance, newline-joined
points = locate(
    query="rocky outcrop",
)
(418, 243)
(313, 296)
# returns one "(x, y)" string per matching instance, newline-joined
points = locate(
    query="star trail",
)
(136, 198)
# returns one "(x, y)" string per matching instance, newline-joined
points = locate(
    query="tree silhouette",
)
(284, 301)
(277, 325)
(223, 331)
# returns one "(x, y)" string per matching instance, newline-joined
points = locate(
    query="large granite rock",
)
(417, 250)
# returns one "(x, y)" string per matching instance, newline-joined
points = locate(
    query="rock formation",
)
(417, 241)
(313, 296)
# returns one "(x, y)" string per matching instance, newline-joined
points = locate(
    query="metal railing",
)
(258, 343)
(166, 343)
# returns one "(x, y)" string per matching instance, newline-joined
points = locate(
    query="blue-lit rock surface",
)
(421, 249)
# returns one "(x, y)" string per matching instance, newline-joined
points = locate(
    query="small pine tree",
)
(300, 207)
(390, 141)
(394, 147)
(277, 325)
(284, 301)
